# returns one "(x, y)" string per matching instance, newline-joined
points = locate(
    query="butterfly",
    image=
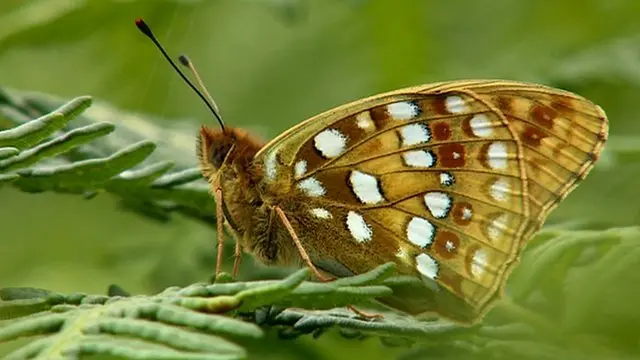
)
(447, 180)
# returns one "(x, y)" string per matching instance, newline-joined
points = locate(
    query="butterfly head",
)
(222, 147)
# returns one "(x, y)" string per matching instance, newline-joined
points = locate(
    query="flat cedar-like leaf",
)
(53, 153)
(6, 152)
(83, 175)
(177, 323)
(201, 319)
(56, 146)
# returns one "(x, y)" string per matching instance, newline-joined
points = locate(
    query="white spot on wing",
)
(414, 134)
(330, 143)
(427, 266)
(300, 169)
(466, 213)
(363, 120)
(365, 187)
(500, 190)
(450, 246)
(446, 179)
(497, 227)
(420, 231)
(419, 158)
(455, 104)
(270, 166)
(481, 125)
(312, 187)
(358, 228)
(497, 155)
(321, 213)
(403, 110)
(438, 203)
(479, 262)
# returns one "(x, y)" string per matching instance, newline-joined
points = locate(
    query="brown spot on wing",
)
(439, 105)
(451, 155)
(543, 115)
(562, 105)
(446, 244)
(532, 136)
(338, 186)
(458, 213)
(379, 116)
(441, 131)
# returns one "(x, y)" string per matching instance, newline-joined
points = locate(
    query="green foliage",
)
(271, 64)
(554, 309)
(144, 185)
(179, 323)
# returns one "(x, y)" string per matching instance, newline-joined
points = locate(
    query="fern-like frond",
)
(66, 150)
(558, 305)
(194, 322)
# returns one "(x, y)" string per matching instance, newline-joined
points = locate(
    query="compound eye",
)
(218, 153)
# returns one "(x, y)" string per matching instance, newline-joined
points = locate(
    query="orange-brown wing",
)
(447, 180)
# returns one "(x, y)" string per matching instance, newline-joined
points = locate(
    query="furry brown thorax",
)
(226, 161)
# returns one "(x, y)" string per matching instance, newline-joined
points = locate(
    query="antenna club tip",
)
(145, 29)
(142, 26)
(184, 60)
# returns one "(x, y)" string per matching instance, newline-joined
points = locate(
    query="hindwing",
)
(448, 180)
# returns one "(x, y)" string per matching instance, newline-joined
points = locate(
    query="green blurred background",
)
(270, 65)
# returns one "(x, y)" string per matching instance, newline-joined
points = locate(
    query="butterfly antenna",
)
(145, 29)
(186, 62)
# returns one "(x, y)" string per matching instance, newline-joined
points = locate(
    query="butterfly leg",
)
(220, 229)
(301, 250)
(305, 257)
(236, 260)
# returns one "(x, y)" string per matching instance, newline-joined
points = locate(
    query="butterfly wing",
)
(448, 180)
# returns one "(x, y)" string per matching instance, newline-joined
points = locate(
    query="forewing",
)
(447, 180)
